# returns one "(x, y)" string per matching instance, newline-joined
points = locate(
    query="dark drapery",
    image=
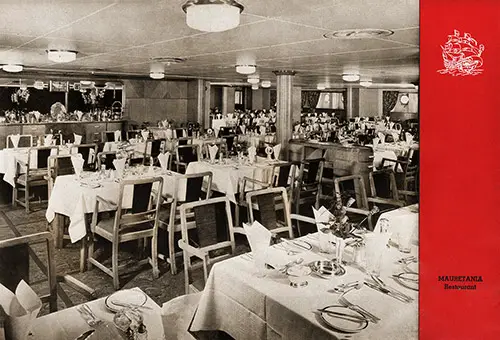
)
(390, 98)
(310, 98)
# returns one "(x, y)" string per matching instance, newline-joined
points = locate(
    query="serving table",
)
(248, 306)
(69, 324)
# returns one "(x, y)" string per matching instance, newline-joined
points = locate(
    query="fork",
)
(88, 315)
(343, 301)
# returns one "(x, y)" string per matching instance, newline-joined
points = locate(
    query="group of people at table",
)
(290, 286)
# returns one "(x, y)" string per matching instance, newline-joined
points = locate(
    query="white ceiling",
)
(120, 38)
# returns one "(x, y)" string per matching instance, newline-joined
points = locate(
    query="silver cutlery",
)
(89, 316)
(381, 283)
(129, 305)
(347, 317)
(369, 316)
(85, 335)
(400, 297)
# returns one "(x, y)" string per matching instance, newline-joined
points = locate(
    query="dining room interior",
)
(209, 169)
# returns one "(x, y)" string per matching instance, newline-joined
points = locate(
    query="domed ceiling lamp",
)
(212, 15)
(350, 77)
(157, 71)
(246, 69)
(321, 86)
(12, 68)
(253, 79)
(61, 56)
(255, 86)
(365, 82)
(265, 84)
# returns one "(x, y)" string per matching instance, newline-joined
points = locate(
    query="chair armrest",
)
(254, 181)
(99, 199)
(192, 250)
(386, 201)
(303, 218)
(358, 211)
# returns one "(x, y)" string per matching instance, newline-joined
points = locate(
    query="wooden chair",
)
(185, 141)
(137, 223)
(89, 154)
(308, 187)
(383, 188)
(185, 154)
(155, 149)
(58, 165)
(109, 136)
(407, 178)
(106, 158)
(14, 264)
(210, 237)
(25, 141)
(197, 187)
(34, 177)
(179, 133)
(133, 134)
(228, 143)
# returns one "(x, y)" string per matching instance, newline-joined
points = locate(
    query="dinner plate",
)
(296, 245)
(408, 280)
(121, 298)
(339, 323)
(324, 269)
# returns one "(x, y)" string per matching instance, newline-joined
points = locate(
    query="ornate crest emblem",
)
(462, 55)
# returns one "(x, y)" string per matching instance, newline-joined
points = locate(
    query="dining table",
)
(246, 304)
(402, 223)
(69, 323)
(75, 196)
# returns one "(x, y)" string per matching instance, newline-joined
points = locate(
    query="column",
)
(227, 100)
(284, 107)
(206, 107)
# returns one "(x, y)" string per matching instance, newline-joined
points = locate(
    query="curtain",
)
(310, 98)
(390, 98)
(330, 100)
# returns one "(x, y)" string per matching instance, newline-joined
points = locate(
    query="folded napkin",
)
(78, 139)
(77, 161)
(145, 134)
(118, 136)
(258, 236)
(243, 129)
(262, 130)
(391, 125)
(252, 152)
(296, 128)
(37, 115)
(169, 134)
(15, 140)
(375, 142)
(409, 138)
(164, 159)
(119, 164)
(212, 151)
(79, 114)
(322, 216)
(91, 158)
(21, 309)
(47, 141)
(395, 136)
(382, 138)
(276, 151)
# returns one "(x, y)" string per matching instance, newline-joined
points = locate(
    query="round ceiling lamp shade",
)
(253, 79)
(61, 56)
(266, 84)
(246, 69)
(366, 82)
(157, 71)
(255, 86)
(212, 15)
(321, 87)
(12, 68)
(350, 77)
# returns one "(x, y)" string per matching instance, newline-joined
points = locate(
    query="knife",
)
(387, 292)
(85, 335)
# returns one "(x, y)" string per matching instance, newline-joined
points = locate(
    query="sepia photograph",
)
(212, 169)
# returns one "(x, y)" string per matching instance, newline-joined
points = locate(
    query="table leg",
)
(84, 253)
(57, 229)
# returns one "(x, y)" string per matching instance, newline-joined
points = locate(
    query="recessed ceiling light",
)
(61, 56)
(212, 15)
(246, 69)
(366, 33)
(13, 68)
(350, 77)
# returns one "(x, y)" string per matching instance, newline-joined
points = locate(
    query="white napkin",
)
(375, 142)
(258, 236)
(169, 134)
(79, 115)
(243, 129)
(47, 141)
(77, 161)
(119, 164)
(37, 115)
(382, 138)
(212, 151)
(118, 136)
(391, 125)
(164, 158)
(409, 138)
(276, 151)
(91, 158)
(15, 140)
(322, 216)
(252, 152)
(262, 130)
(145, 134)
(78, 139)
(21, 309)
(395, 136)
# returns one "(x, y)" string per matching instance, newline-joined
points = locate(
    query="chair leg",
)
(84, 255)
(26, 199)
(114, 265)
(90, 252)
(154, 256)
(14, 196)
(186, 271)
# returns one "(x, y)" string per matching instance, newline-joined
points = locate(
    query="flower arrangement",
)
(21, 95)
(93, 96)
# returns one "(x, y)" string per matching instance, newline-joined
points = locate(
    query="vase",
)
(339, 249)
(325, 240)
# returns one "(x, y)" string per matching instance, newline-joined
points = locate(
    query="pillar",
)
(227, 100)
(284, 107)
(257, 99)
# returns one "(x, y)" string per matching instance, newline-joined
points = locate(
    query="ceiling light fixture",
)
(253, 79)
(265, 84)
(350, 77)
(61, 56)
(321, 87)
(157, 71)
(39, 85)
(85, 82)
(366, 82)
(212, 15)
(12, 68)
(246, 69)
(255, 86)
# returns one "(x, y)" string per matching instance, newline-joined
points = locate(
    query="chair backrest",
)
(213, 224)
(353, 185)
(187, 153)
(42, 155)
(14, 263)
(229, 140)
(60, 165)
(109, 136)
(226, 131)
(156, 145)
(311, 171)
(84, 150)
(145, 205)
(25, 141)
(179, 133)
(411, 179)
(133, 134)
(107, 159)
(383, 184)
(184, 141)
(284, 175)
(266, 201)
(198, 186)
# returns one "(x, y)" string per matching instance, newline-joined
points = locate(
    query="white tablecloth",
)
(138, 148)
(402, 223)
(226, 177)
(69, 198)
(245, 306)
(378, 155)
